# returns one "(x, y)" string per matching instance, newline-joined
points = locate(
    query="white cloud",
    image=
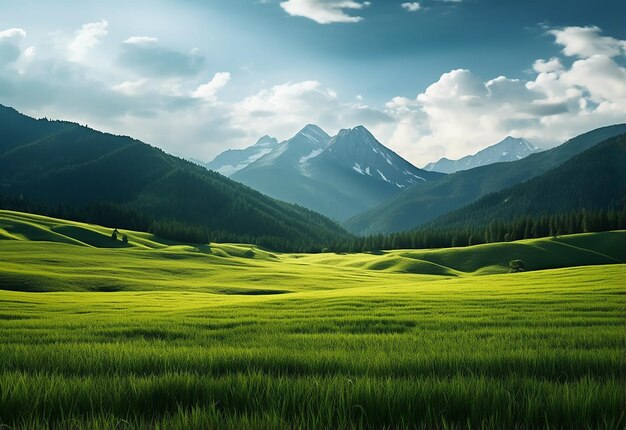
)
(12, 33)
(10, 45)
(601, 77)
(130, 87)
(412, 6)
(586, 42)
(284, 109)
(30, 52)
(462, 113)
(162, 97)
(138, 40)
(207, 91)
(324, 11)
(10, 50)
(546, 66)
(87, 37)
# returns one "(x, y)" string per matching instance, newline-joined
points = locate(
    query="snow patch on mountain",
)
(406, 172)
(313, 154)
(233, 160)
(383, 176)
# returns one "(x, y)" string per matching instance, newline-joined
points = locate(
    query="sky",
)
(430, 79)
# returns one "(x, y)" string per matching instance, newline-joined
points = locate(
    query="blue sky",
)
(430, 78)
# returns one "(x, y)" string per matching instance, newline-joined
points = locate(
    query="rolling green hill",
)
(422, 203)
(47, 254)
(594, 179)
(63, 163)
(154, 334)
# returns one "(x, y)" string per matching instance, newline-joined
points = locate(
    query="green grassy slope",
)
(46, 254)
(528, 350)
(158, 335)
(425, 202)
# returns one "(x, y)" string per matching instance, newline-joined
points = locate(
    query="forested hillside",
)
(64, 169)
(423, 203)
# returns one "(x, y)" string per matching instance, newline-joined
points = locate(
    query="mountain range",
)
(338, 176)
(63, 163)
(594, 179)
(74, 167)
(508, 149)
(424, 202)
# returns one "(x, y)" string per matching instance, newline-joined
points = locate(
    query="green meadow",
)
(96, 333)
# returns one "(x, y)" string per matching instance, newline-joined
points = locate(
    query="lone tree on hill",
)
(125, 239)
(516, 265)
(114, 234)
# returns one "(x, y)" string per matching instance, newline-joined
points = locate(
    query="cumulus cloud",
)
(147, 57)
(283, 109)
(412, 6)
(164, 97)
(546, 66)
(86, 38)
(324, 11)
(130, 87)
(138, 40)
(462, 113)
(586, 42)
(12, 33)
(157, 108)
(207, 91)
(9, 45)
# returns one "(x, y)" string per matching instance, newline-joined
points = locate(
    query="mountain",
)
(424, 202)
(233, 160)
(58, 162)
(338, 177)
(357, 149)
(508, 149)
(594, 179)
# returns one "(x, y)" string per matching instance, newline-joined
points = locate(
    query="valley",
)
(95, 333)
(313, 214)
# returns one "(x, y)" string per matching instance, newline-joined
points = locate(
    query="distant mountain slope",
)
(233, 160)
(339, 176)
(61, 162)
(508, 149)
(594, 179)
(425, 202)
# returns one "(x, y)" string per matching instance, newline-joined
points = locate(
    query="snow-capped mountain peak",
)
(233, 160)
(313, 134)
(339, 176)
(357, 149)
(508, 149)
(266, 141)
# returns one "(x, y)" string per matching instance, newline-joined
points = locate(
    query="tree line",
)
(116, 215)
(498, 230)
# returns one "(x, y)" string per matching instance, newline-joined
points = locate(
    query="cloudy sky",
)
(431, 78)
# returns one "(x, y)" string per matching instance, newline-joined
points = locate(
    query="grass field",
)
(159, 335)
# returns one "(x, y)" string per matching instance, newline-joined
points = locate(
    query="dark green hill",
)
(594, 179)
(56, 162)
(426, 201)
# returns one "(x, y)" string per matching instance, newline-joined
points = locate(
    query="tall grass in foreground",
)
(524, 351)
